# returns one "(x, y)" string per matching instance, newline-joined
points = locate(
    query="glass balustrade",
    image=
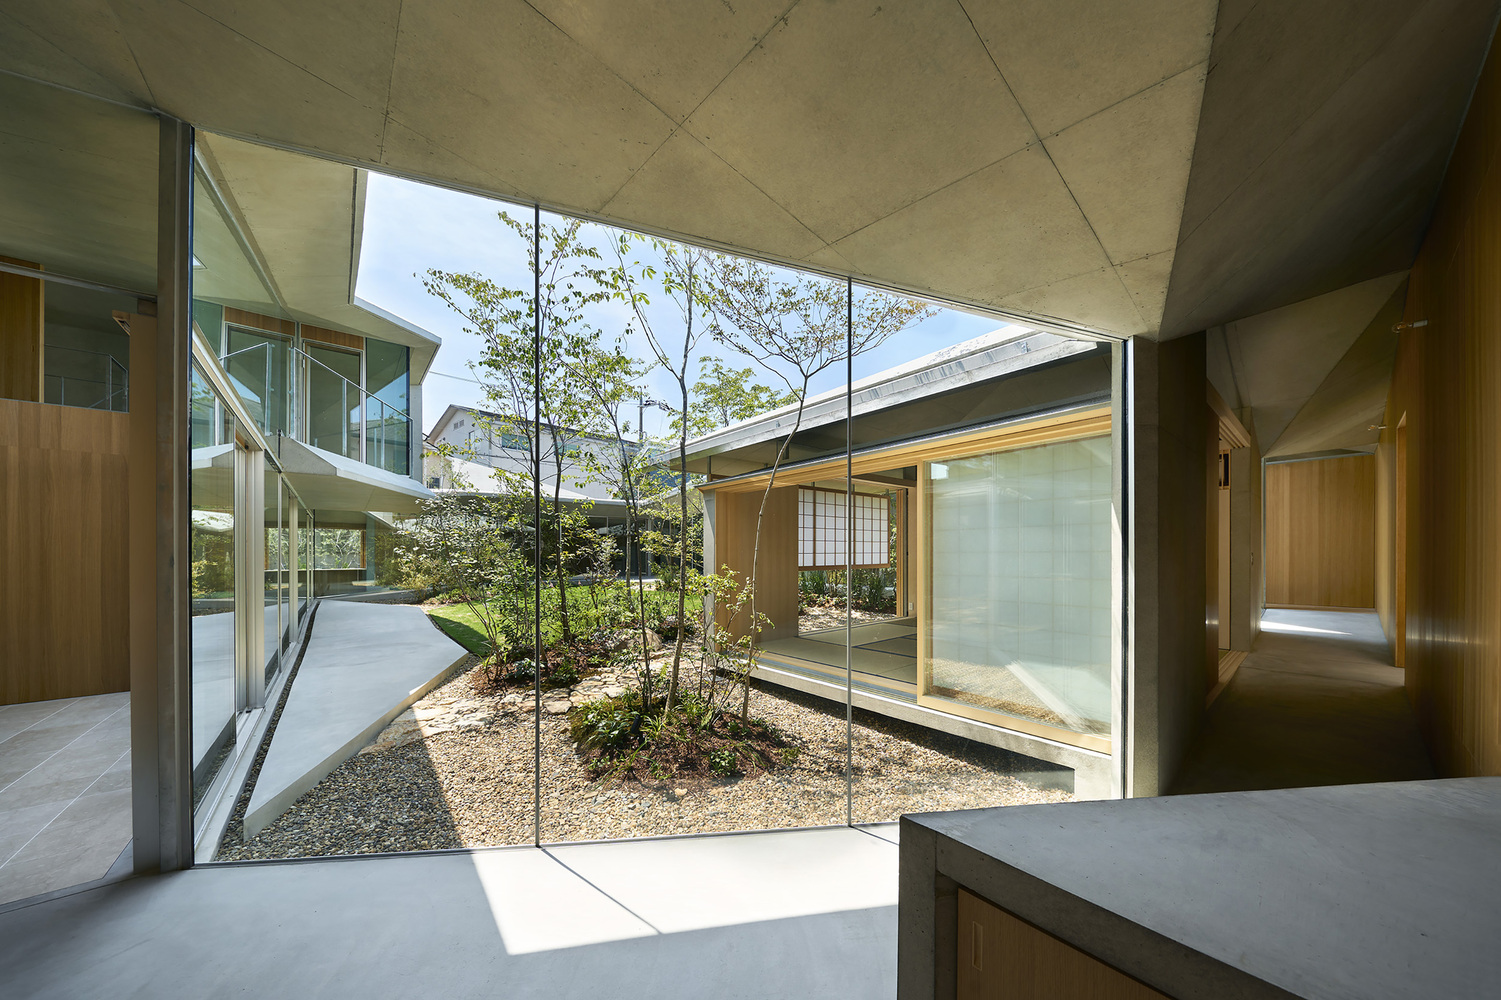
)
(95, 380)
(314, 395)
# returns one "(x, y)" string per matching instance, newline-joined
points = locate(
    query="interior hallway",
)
(1317, 702)
(807, 914)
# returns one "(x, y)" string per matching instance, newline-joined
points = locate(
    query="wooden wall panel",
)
(22, 335)
(776, 569)
(1321, 533)
(256, 321)
(1004, 958)
(64, 605)
(1447, 387)
(334, 337)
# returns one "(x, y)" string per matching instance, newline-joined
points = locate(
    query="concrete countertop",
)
(1354, 891)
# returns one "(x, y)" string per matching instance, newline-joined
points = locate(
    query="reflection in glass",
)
(333, 403)
(271, 541)
(213, 583)
(387, 427)
(258, 363)
(286, 578)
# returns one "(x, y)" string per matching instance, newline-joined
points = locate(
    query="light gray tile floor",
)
(792, 914)
(64, 792)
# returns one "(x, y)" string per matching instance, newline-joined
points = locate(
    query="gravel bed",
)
(456, 771)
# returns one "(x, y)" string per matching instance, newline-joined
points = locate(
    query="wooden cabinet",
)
(1004, 958)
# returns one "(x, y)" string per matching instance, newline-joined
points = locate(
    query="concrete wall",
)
(1169, 444)
(1447, 389)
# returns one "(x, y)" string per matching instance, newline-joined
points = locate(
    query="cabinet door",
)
(1004, 958)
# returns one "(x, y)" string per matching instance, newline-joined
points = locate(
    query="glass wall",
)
(334, 400)
(1019, 556)
(214, 540)
(259, 366)
(874, 542)
(387, 426)
(271, 533)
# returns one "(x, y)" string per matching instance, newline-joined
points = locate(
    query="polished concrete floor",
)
(64, 792)
(797, 914)
(1317, 702)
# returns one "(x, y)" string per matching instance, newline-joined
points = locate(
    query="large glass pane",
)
(271, 586)
(78, 190)
(234, 308)
(712, 742)
(387, 426)
(286, 579)
(1019, 620)
(213, 585)
(258, 364)
(334, 399)
(87, 357)
(946, 704)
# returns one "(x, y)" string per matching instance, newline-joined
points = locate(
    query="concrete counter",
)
(1354, 891)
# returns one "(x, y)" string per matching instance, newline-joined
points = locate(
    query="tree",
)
(796, 326)
(727, 396)
(532, 339)
(610, 380)
(672, 352)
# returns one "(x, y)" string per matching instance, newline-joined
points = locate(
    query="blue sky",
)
(410, 227)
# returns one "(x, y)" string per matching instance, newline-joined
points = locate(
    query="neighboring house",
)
(481, 445)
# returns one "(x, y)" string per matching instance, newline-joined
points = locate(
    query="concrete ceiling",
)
(1312, 377)
(1325, 132)
(97, 218)
(1064, 161)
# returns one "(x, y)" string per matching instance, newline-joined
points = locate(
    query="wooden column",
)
(22, 335)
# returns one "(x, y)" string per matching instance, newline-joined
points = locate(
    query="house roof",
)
(453, 410)
(930, 394)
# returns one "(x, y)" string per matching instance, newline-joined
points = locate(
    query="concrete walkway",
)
(808, 914)
(365, 664)
(1317, 702)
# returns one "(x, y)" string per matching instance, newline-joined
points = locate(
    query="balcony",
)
(290, 392)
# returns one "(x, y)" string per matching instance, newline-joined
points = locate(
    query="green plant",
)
(609, 725)
(724, 762)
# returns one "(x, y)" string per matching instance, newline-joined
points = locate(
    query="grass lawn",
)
(462, 626)
(588, 612)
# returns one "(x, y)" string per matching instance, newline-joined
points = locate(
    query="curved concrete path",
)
(365, 664)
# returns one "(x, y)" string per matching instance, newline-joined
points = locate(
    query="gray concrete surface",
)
(64, 792)
(364, 665)
(1357, 892)
(1317, 702)
(801, 914)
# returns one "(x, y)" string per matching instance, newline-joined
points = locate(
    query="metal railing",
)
(367, 429)
(108, 388)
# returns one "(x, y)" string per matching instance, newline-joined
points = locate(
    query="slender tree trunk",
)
(557, 512)
(682, 376)
(755, 631)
